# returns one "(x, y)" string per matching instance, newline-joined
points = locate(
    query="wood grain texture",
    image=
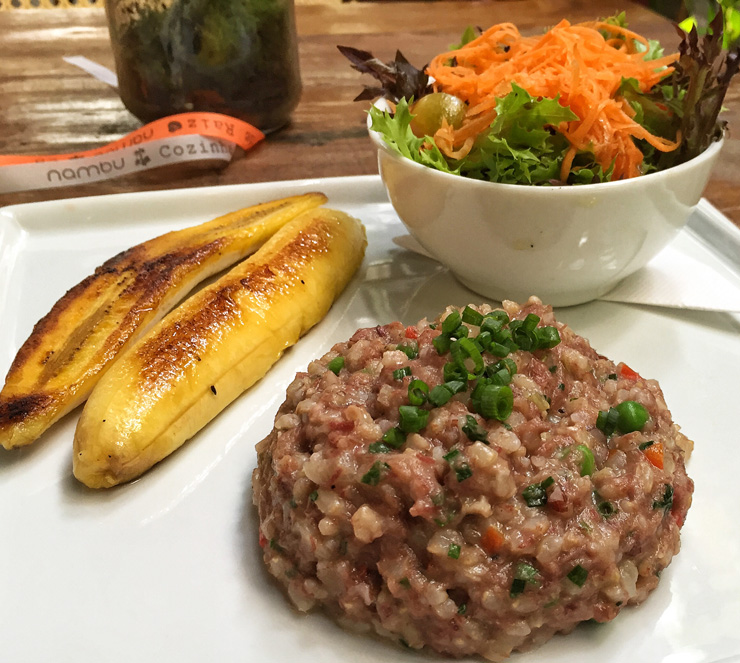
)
(48, 106)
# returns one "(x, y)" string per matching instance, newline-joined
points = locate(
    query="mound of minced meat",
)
(474, 484)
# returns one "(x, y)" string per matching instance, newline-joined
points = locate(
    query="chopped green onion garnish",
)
(523, 336)
(412, 418)
(456, 386)
(452, 371)
(645, 445)
(379, 448)
(606, 421)
(530, 322)
(501, 378)
(404, 582)
(394, 437)
(439, 395)
(401, 373)
(547, 337)
(462, 608)
(410, 349)
(471, 316)
(467, 357)
(509, 364)
(474, 430)
(441, 343)
(314, 496)
(336, 365)
(453, 551)
(611, 376)
(587, 460)
(461, 332)
(498, 316)
(451, 454)
(496, 402)
(373, 475)
(418, 392)
(606, 509)
(578, 575)
(451, 322)
(632, 416)
(484, 339)
(498, 349)
(553, 369)
(536, 493)
(561, 386)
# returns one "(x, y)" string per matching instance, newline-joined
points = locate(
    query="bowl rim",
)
(714, 147)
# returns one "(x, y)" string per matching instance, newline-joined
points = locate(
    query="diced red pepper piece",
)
(412, 332)
(626, 372)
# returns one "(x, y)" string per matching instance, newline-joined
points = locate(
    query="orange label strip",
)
(212, 125)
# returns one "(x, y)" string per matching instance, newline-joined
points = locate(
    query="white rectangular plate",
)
(168, 567)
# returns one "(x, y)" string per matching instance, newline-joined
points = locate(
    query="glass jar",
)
(238, 57)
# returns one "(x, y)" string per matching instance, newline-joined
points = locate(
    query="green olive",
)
(431, 109)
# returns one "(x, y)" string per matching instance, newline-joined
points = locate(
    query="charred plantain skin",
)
(213, 347)
(72, 346)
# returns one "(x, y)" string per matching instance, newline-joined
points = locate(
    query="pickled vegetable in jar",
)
(238, 57)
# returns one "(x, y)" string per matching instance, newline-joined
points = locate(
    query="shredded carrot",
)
(573, 63)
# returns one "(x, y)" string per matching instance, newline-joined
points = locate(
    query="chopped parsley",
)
(524, 574)
(536, 493)
(375, 473)
(463, 472)
(474, 430)
(410, 349)
(665, 502)
(578, 575)
(276, 546)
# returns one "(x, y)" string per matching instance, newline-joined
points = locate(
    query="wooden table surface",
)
(48, 106)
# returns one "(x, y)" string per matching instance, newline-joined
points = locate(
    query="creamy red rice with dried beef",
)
(440, 486)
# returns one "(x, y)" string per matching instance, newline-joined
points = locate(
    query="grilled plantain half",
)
(213, 347)
(71, 347)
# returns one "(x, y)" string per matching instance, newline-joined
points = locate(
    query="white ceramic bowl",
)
(565, 244)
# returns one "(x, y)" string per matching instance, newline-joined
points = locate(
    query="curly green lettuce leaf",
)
(520, 147)
(395, 128)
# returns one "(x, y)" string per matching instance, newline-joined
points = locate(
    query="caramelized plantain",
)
(71, 347)
(213, 347)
